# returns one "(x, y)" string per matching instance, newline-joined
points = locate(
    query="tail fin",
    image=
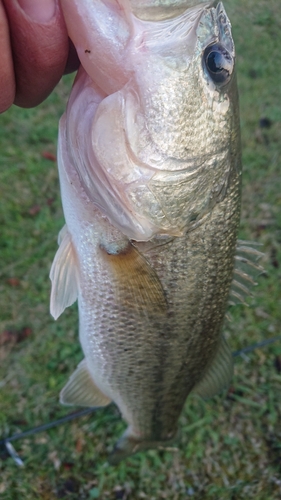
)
(129, 445)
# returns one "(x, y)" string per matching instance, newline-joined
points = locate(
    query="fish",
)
(149, 160)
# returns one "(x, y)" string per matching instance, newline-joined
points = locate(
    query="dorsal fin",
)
(218, 375)
(246, 270)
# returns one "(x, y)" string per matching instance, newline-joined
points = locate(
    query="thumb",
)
(39, 44)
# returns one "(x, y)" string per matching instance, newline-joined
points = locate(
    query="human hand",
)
(35, 51)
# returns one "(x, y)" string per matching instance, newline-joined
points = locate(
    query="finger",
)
(40, 48)
(7, 79)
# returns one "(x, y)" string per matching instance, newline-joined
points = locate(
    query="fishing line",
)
(44, 427)
(256, 346)
(6, 443)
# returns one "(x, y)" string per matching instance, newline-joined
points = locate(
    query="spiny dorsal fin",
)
(81, 390)
(246, 270)
(219, 373)
(64, 275)
(137, 284)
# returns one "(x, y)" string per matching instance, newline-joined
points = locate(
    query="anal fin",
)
(81, 389)
(218, 375)
(64, 275)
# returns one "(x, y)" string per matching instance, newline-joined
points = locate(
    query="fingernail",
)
(39, 11)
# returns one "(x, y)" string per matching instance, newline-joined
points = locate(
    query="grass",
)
(230, 447)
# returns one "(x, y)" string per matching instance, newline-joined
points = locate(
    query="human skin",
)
(35, 51)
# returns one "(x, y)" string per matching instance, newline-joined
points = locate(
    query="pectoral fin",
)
(81, 389)
(219, 373)
(136, 283)
(63, 275)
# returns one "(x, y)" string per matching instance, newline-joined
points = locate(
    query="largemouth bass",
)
(150, 173)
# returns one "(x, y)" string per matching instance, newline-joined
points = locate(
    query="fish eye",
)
(218, 63)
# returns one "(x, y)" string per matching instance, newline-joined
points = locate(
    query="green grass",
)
(230, 447)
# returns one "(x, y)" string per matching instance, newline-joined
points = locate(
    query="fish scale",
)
(150, 173)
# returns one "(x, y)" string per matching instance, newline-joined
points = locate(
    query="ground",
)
(230, 446)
